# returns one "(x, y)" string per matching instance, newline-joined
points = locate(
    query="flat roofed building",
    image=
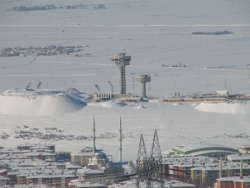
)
(181, 165)
(51, 180)
(95, 175)
(211, 172)
(233, 182)
(41, 155)
(29, 146)
(245, 157)
(78, 184)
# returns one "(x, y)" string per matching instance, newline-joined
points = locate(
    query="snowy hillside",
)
(187, 47)
(39, 102)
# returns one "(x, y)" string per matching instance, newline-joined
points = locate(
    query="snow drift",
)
(40, 102)
(228, 108)
(108, 104)
(140, 107)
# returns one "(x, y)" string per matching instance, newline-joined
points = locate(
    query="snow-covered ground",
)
(154, 33)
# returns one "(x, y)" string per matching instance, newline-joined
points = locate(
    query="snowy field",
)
(153, 33)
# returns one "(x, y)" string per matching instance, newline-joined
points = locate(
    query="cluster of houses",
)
(37, 164)
(209, 164)
(40, 51)
(217, 96)
(51, 6)
(183, 166)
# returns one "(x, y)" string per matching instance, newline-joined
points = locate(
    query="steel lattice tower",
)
(155, 161)
(142, 169)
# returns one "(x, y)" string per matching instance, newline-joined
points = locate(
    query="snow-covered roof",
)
(39, 153)
(202, 147)
(188, 161)
(245, 179)
(90, 171)
(225, 166)
(245, 156)
(2, 178)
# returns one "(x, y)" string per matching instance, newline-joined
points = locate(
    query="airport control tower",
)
(121, 61)
(144, 79)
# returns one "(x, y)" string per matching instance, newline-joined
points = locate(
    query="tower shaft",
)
(120, 141)
(123, 79)
(144, 90)
(121, 61)
(94, 148)
(143, 79)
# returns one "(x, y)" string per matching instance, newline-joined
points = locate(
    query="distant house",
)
(222, 93)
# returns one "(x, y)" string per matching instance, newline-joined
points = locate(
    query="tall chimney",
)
(120, 140)
(94, 135)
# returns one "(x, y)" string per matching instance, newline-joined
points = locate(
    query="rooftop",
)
(245, 179)
(200, 147)
(245, 156)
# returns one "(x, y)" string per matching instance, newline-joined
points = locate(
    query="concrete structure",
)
(203, 149)
(143, 79)
(121, 61)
